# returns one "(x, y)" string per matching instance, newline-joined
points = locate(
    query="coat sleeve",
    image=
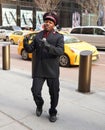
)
(59, 48)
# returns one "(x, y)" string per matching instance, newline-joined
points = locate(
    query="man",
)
(49, 45)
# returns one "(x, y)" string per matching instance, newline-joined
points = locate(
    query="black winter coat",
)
(47, 60)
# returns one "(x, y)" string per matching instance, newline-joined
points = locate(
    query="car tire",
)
(24, 55)
(12, 41)
(64, 61)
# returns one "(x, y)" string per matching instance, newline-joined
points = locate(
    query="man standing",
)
(49, 45)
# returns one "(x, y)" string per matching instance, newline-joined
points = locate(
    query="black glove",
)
(25, 41)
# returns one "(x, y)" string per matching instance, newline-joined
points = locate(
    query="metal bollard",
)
(6, 56)
(33, 62)
(85, 71)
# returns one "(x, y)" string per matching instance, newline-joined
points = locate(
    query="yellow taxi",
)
(21, 50)
(72, 48)
(16, 35)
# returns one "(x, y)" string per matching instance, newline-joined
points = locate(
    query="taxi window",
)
(18, 33)
(32, 36)
(68, 39)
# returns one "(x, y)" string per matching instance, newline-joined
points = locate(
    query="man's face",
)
(48, 25)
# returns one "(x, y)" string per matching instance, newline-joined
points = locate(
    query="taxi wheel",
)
(24, 55)
(64, 61)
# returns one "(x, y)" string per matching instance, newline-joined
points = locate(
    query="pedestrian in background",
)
(49, 45)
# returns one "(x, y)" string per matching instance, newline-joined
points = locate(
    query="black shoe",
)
(52, 118)
(38, 111)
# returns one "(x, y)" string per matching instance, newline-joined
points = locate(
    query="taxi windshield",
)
(69, 39)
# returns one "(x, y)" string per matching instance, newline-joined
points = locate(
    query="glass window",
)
(99, 31)
(87, 30)
(32, 36)
(18, 33)
(76, 30)
(69, 39)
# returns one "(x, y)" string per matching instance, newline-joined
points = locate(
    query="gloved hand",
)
(25, 41)
(45, 43)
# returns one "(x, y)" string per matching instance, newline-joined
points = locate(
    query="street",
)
(69, 74)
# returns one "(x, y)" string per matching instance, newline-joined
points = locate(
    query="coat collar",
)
(47, 34)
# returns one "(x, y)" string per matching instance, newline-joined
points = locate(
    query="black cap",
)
(51, 16)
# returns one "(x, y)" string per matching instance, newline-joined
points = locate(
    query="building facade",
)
(70, 12)
(18, 12)
(82, 12)
(24, 13)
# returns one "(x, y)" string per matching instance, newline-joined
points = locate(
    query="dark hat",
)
(51, 16)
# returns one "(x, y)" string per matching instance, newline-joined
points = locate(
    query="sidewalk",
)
(76, 111)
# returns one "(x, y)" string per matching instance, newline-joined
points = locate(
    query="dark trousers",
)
(53, 84)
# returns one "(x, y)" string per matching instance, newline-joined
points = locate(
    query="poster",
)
(8, 16)
(39, 20)
(75, 19)
(26, 18)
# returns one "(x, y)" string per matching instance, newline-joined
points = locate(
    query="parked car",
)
(95, 35)
(12, 28)
(4, 34)
(16, 35)
(72, 48)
